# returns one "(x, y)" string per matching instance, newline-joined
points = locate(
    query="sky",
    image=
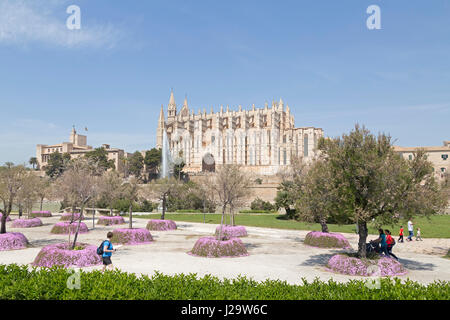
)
(112, 75)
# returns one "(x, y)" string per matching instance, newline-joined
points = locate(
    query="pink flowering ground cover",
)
(67, 227)
(67, 216)
(382, 266)
(26, 223)
(131, 236)
(12, 241)
(229, 232)
(109, 221)
(161, 225)
(41, 214)
(59, 254)
(210, 247)
(8, 218)
(326, 240)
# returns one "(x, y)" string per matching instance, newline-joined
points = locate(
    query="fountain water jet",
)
(167, 161)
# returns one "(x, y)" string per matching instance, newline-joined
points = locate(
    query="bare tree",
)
(110, 188)
(131, 191)
(78, 184)
(28, 194)
(12, 179)
(230, 185)
(161, 189)
(203, 190)
(43, 190)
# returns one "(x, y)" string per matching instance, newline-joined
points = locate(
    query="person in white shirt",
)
(410, 230)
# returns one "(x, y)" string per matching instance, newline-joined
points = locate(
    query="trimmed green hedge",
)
(258, 211)
(25, 283)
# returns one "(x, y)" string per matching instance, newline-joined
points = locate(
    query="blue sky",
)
(113, 75)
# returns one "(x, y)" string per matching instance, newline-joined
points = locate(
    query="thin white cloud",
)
(25, 22)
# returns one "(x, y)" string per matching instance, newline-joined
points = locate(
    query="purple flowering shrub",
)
(8, 218)
(67, 227)
(229, 232)
(108, 221)
(210, 247)
(12, 241)
(383, 266)
(67, 216)
(27, 223)
(61, 255)
(326, 240)
(131, 236)
(161, 225)
(41, 214)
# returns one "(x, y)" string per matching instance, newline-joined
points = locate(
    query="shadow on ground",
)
(320, 260)
(415, 265)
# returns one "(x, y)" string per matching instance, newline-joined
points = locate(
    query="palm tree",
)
(33, 161)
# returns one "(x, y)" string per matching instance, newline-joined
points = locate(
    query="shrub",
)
(229, 232)
(26, 223)
(108, 220)
(259, 204)
(67, 216)
(326, 240)
(365, 267)
(12, 241)
(131, 236)
(25, 283)
(60, 255)
(40, 214)
(210, 247)
(67, 227)
(161, 225)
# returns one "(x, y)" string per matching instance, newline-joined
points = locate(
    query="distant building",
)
(260, 140)
(439, 156)
(77, 147)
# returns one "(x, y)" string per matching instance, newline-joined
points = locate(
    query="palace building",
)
(261, 140)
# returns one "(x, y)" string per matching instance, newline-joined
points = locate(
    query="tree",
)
(162, 189)
(33, 162)
(131, 192)
(136, 164)
(12, 179)
(100, 157)
(202, 189)
(28, 194)
(152, 161)
(110, 188)
(79, 186)
(230, 186)
(43, 190)
(178, 169)
(371, 181)
(57, 163)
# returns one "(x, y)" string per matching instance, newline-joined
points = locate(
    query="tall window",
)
(305, 146)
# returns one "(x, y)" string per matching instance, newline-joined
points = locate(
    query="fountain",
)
(167, 162)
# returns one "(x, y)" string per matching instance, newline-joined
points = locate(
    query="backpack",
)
(100, 248)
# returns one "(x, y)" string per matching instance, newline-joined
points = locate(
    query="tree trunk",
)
(232, 222)
(3, 227)
(93, 219)
(78, 228)
(111, 212)
(131, 216)
(163, 214)
(362, 226)
(42, 201)
(204, 211)
(224, 208)
(20, 211)
(323, 224)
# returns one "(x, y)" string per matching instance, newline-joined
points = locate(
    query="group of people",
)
(386, 242)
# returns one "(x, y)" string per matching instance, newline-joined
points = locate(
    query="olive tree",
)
(203, 190)
(371, 181)
(161, 189)
(131, 191)
(28, 194)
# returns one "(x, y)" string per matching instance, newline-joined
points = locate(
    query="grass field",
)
(435, 227)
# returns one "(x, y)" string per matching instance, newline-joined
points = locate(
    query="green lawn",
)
(435, 227)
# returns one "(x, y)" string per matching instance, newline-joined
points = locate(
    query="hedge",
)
(26, 283)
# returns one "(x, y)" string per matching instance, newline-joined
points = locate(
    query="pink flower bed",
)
(161, 225)
(41, 214)
(8, 218)
(131, 236)
(27, 223)
(229, 232)
(67, 227)
(12, 241)
(365, 267)
(60, 255)
(67, 216)
(210, 247)
(108, 221)
(326, 240)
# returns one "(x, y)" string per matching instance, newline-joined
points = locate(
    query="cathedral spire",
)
(160, 130)
(172, 109)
